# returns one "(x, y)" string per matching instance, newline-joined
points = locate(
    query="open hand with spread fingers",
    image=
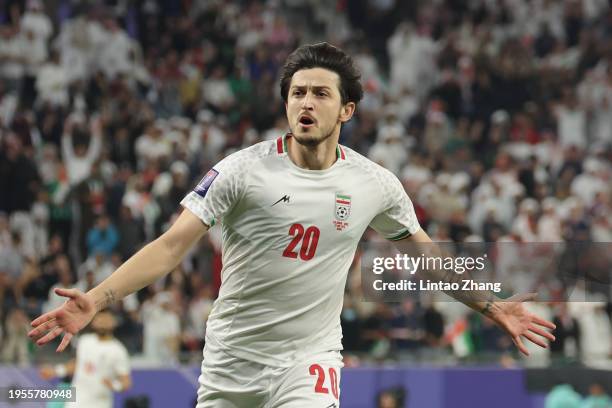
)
(69, 318)
(512, 316)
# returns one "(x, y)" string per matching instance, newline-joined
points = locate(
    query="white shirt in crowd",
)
(77, 49)
(390, 150)
(586, 185)
(52, 85)
(207, 139)
(38, 23)
(217, 92)
(571, 126)
(79, 167)
(161, 327)
(151, 148)
(412, 56)
(11, 57)
(596, 332)
(114, 58)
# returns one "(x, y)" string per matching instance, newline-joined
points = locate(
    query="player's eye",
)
(297, 92)
(322, 93)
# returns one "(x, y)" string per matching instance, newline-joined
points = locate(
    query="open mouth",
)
(306, 121)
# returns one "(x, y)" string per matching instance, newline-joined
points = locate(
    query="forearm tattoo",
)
(486, 310)
(108, 299)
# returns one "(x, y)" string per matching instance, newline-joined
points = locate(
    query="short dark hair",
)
(324, 55)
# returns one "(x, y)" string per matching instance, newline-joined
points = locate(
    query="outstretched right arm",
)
(152, 262)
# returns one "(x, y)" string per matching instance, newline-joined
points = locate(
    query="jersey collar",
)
(281, 147)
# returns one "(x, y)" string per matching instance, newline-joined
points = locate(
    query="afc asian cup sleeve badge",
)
(204, 184)
(343, 207)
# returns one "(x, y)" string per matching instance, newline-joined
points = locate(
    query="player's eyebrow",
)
(314, 87)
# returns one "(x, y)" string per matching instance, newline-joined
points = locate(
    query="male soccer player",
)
(100, 368)
(292, 213)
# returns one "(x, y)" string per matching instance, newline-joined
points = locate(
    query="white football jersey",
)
(96, 360)
(289, 237)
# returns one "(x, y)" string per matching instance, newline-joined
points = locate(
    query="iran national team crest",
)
(343, 211)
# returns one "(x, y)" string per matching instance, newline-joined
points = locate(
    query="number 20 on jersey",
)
(304, 242)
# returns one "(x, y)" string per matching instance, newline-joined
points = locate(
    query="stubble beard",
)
(313, 141)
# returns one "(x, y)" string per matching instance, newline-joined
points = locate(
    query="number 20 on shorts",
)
(307, 238)
(316, 369)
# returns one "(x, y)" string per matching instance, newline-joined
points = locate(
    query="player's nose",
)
(307, 101)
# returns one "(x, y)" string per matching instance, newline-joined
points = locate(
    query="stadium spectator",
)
(567, 334)
(15, 340)
(87, 282)
(161, 325)
(549, 224)
(52, 84)
(113, 55)
(153, 145)
(79, 157)
(103, 237)
(12, 263)
(433, 324)
(11, 51)
(409, 328)
(595, 329)
(65, 279)
(36, 22)
(216, 91)
(389, 150)
(19, 178)
(205, 139)
(130, 232)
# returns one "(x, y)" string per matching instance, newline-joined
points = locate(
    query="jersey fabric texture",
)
(96, 360)
(289, 237)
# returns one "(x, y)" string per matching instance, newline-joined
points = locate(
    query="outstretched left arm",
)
(509, 314)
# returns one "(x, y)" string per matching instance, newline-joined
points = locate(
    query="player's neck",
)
(319, 157)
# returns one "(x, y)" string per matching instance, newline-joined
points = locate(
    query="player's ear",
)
(346, 112)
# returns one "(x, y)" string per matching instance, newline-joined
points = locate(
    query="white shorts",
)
(230, 382)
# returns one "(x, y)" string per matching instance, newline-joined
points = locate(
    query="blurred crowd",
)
(495, 114)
